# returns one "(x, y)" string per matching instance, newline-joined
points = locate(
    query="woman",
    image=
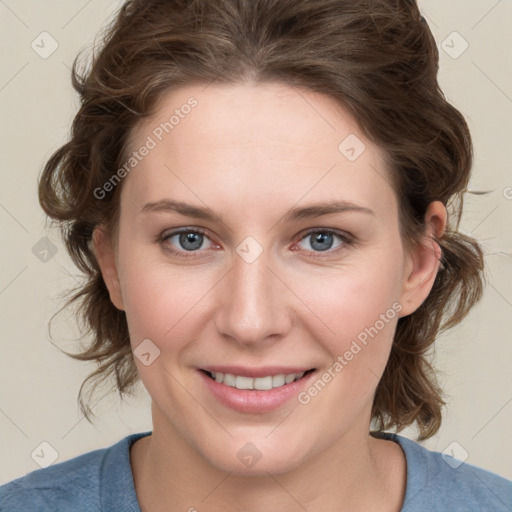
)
(258, 192)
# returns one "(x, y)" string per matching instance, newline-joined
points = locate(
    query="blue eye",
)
(189, 242)
(322, 240)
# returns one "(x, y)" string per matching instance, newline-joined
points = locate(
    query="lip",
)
(255, 401)
(265, 371)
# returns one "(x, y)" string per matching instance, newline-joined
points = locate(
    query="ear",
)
(106, 257)
(423, 261)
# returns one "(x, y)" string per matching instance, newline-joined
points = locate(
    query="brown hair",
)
(377, 58)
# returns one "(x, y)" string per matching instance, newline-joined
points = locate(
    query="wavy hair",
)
(377, 58)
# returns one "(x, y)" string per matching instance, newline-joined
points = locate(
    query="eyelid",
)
(167, 234)
(342, 234)
(346, 239)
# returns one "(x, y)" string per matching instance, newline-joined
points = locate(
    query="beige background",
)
(39, 384)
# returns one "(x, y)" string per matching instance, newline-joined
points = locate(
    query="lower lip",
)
(255, 401)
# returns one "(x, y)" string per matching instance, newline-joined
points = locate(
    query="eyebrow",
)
(295, 214)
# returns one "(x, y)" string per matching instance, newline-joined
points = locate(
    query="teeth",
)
(243, 382)
(229, 380)
(259, 383)
(263, 383)
(278, 381)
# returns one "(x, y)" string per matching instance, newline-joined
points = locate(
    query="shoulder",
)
(76, 484)
(436, 481)
(71, 483)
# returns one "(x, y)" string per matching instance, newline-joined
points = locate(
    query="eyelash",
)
(344, 238)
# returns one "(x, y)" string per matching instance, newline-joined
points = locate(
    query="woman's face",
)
(289, 260)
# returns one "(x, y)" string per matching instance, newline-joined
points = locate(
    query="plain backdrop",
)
(39, 384)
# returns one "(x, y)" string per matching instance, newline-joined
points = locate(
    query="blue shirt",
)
(102, 480)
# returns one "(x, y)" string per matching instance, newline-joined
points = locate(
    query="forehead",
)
(229, 143)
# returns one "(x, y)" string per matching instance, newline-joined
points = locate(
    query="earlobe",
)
(105, 255)
(423, 261)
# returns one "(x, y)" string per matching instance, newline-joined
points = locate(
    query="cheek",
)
(160, 301)
(171, 304)
(355, 318)
(351, 300)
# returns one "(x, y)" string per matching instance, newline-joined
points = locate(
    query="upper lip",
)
(245, 371)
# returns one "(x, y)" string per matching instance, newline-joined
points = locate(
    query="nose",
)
(252, 305)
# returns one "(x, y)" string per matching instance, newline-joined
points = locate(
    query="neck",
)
(357, 473)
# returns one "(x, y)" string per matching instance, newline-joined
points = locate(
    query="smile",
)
(258, 383)
(255, 390)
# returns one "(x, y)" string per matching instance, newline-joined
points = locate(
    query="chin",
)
(243, 457)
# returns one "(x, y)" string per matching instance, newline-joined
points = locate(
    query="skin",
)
(250, 153)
